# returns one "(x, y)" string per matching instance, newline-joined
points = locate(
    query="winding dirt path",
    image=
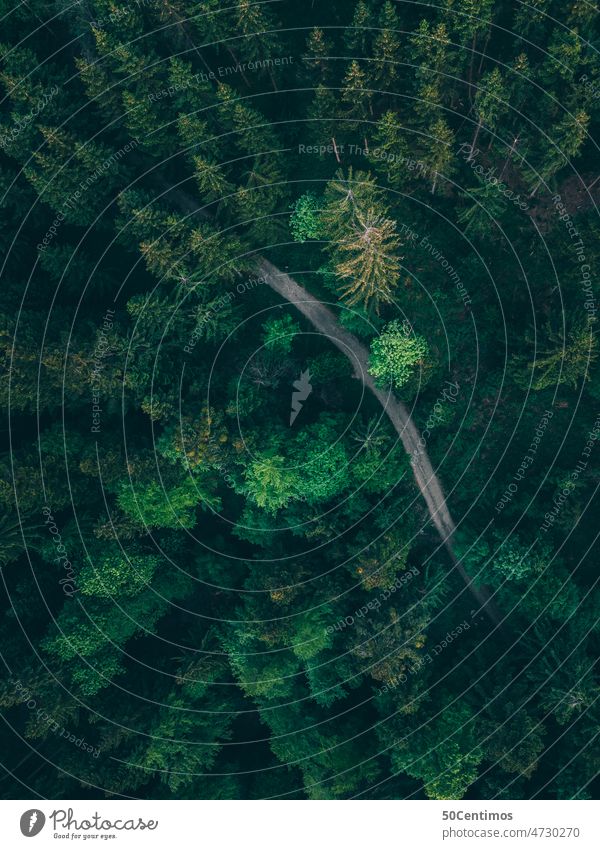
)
(325, 321)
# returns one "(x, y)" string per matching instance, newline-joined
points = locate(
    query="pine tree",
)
(531, 22)
(343, 196)
(316, 58)
(214, 24)
(438, 154)
(363, 242)
(323, 122)
(565, 55)
(434, 65)
(368, 258)
(490, 105)
(390, 149)
(568, 138)
(254, 22)
(358, 36)
(486, 208)
(386, 48)
(76, 179)
(567, 363)
(470, 25)
(211, 181)
(356, 94)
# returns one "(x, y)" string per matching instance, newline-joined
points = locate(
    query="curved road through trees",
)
(325, 321)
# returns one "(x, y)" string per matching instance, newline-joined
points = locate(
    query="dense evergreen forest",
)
(302, 401)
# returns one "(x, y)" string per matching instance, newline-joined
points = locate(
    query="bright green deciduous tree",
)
(395, 355)
(305, 222)
(278, 333)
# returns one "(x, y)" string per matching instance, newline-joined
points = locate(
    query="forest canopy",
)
(302, 401)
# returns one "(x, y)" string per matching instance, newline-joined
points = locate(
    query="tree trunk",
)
(474, 142)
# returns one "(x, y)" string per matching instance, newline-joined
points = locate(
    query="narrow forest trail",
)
(325, 321)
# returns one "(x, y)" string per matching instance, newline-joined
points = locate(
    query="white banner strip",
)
(302, 825)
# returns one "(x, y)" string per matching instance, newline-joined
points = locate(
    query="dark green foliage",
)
(220, 565)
